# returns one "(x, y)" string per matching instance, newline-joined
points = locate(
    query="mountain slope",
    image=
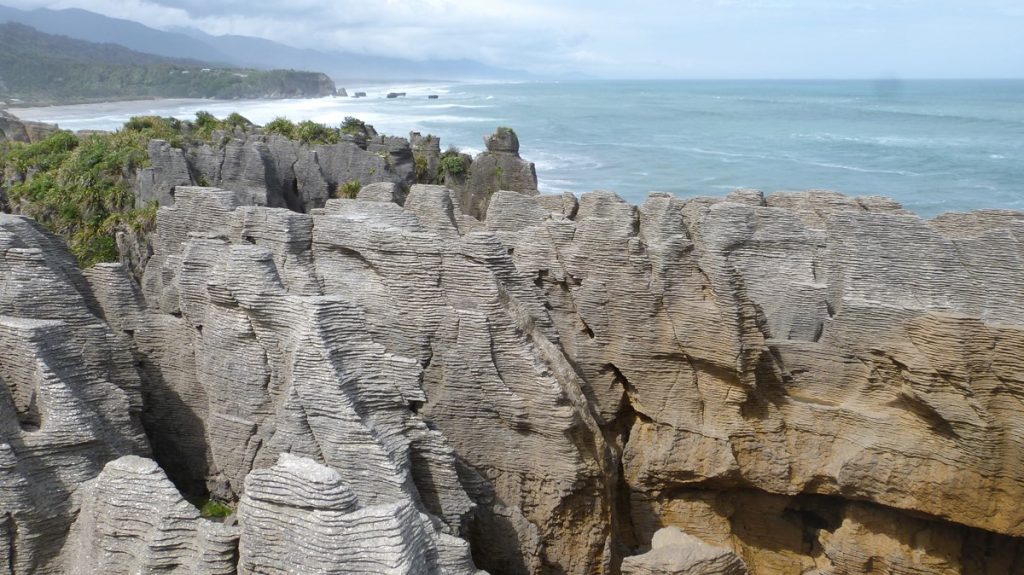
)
(245, 51)
(92, 27)
(258, 52)
(43, 68)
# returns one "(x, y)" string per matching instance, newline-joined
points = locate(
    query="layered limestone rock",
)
(338, 336)
(133, 520)
(674, 552)
(274, 171)
(271, 170)
(300, 517)
(832, 346)
(499, 167)
(660, 357)
(69, 395)
(802, 382)
(250, 356)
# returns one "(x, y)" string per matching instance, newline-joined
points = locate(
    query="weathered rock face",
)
(267, 332)
(299, 517)
(427, 153)
(13, 129)
(835, 346)
(133, 520)
(275, 171)
(803, 383)
(69, 395)
(498, 168)
(674, 552)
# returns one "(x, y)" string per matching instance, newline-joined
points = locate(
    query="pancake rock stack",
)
(792, 383)
(774, 360)
(70, 398)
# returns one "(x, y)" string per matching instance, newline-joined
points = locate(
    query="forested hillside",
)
(43, 69)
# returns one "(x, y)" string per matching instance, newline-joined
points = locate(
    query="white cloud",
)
(642, 38)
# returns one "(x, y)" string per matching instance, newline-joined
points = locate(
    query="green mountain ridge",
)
(38, 68)
(247, 51)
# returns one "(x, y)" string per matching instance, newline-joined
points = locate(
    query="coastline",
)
(934, 146)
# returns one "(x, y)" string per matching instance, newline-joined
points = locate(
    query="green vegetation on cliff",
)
(452, 162)
(44, 69)
(309, 132)
(80, 187)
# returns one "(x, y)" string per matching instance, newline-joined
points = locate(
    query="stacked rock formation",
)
(673, 552)
(499, 167)
(271, 170)
(69, 395)
(802, 383)
(761, 349)
(133, 520)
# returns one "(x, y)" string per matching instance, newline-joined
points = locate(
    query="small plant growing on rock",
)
(452, 162)
(205, 124)
(211, 509)
(421, 170)
(350, 189)
(280, 126)
(353, 126)
(236, 120)
(310, 132)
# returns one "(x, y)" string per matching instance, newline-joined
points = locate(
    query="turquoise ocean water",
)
(933, 145)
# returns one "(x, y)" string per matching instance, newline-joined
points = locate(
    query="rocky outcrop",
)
(817, 348)
(673, 552)
(800, 382)
(69, 395)
(133, 520)
(427, 153)
(13, 129)
(275, 171)
(498, 168)
(299, 517)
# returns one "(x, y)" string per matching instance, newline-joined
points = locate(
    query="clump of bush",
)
(353, 126)
(422, 168)
(211, 509)
(452, 162)
(79, 188)
(309, 132)
(206, 124)
(281, 126)
(349, 189)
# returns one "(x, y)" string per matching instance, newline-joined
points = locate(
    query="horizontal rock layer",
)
(802, 382)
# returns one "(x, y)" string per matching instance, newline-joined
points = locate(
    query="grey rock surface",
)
(273, 171)
(674, 552)
(70, 397)
(805, 382)
(14, 129)
(498, 168)
(299, 517)
(168, 169)
(133, 520)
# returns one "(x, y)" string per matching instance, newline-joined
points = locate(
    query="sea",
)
(934, 146)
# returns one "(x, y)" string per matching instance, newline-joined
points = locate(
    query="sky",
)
(629, 39)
